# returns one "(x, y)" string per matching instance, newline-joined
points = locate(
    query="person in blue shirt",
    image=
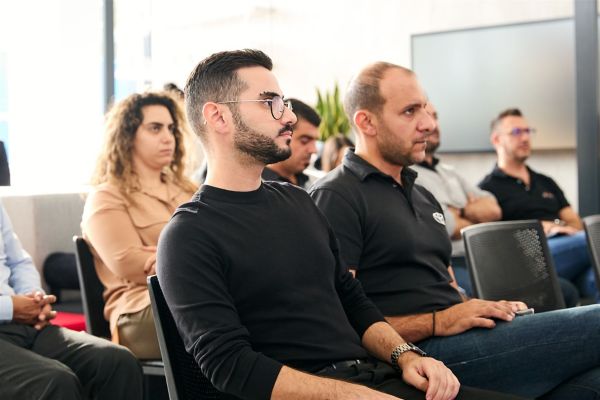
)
(39, 360)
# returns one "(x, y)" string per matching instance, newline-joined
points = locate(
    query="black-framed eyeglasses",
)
(518, 132)
(276, 103)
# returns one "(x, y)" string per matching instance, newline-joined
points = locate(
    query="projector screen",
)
(471, 75)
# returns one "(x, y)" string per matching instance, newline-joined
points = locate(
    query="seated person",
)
(392, 232)
(250, 269)
(43, 361)
(303, 146)
(334, 149)
(139, 182)
(525, 194)
(464, 204)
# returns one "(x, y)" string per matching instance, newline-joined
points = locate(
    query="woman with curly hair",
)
(138, 183)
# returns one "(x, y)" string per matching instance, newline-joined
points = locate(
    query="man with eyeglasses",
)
(250, 269)
(525, 194)
(302, 146)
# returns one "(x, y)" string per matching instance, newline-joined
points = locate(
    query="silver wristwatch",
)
(403, 348)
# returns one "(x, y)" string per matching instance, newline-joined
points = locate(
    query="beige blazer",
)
(118, 231)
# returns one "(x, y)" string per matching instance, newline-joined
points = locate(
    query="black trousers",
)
(382, 377)
(58, 363)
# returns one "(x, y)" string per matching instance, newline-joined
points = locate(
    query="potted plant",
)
(333, 117)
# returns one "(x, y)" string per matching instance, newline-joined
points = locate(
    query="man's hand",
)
(550, 229)
(475, 313)
(26, 309)
(45, 317)
(33, 309)
(429, 375)
(46, 313)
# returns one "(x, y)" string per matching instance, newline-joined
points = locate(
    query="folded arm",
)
(108, 227)
(482, 209)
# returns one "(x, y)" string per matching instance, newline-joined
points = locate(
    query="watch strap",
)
(403, 348)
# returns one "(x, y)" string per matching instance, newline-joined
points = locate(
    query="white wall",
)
(55, 60)
(316, 43)
(55, 103)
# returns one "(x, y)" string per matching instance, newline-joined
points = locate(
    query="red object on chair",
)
(69, 320)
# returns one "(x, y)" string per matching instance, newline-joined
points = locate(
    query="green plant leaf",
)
(333, 117)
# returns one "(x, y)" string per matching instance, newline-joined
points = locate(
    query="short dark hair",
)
(363, 92)
(305, 112)
(215, 79)
(510, 112)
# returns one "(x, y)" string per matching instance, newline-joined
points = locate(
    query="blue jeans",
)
(572, 262)
(555, 351)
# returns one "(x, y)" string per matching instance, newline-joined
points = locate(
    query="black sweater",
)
(254, 281)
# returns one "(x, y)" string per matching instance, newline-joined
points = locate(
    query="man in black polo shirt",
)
(302, 146)
(525, 194)
(392, 233)
(250, 269)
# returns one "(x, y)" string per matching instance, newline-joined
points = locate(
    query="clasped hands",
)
(33, 309)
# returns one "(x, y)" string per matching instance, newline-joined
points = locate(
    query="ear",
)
(494, 138)
(214, 117)
(364, 122)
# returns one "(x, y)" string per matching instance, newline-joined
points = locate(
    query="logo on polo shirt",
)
(547, 195)
(439, 218)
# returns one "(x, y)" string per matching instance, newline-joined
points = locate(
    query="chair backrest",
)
(592, 230)
(511, 261)
(185, 381)
(91, 290)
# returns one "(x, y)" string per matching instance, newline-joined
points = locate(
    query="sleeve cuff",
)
(365, 318)
(450, 222)
(263, 377)
(6, 309)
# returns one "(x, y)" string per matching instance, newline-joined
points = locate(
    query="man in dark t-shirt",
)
(523, 193)
(391, 232)
(250, 269)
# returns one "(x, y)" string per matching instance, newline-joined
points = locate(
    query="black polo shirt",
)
(270, 175)
(393, 235)
(543, 199)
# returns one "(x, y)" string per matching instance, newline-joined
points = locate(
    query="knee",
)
(115, 359)
(60, 382)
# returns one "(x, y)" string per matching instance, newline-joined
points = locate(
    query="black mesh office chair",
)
(592, 230)
(93, 302)
(511, 261)
(91, 290)
(184, 378)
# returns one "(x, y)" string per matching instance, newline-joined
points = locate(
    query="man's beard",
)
(391, 149)
(257, 146)
(432, 147)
